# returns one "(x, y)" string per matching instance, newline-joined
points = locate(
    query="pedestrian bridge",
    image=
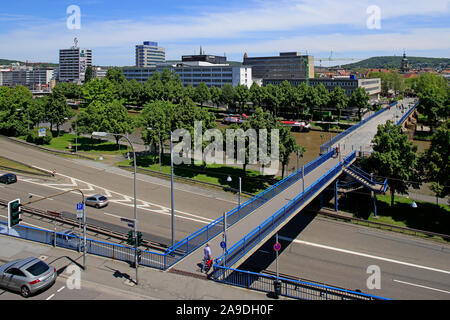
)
(254, 222)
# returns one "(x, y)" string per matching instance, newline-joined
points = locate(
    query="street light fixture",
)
(104, 134)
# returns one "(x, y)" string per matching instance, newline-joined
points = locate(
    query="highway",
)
(316, 249)
(194, 207)
(339, 254)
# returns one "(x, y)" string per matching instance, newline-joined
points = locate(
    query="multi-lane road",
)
(313, 248)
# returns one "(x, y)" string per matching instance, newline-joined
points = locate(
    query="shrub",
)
(33, 137)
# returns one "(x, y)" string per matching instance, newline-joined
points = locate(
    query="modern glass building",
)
(288, 65)
(149, 55)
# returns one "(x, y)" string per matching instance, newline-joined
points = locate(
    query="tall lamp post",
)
(104, 134)
(171, 182)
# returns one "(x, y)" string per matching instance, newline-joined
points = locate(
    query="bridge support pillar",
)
(336, 195)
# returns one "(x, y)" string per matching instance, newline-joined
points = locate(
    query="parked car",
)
(27, 276)
(8, 178)
(97, 201)
(68, 239)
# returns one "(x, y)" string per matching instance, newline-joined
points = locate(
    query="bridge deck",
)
(358, 140)
(254, 219)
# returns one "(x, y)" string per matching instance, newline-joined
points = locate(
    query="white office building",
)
(73, 63)
(192, 73)
(149, 54)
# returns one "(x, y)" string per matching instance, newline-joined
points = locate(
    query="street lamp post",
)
(104, 134)
(171, 188)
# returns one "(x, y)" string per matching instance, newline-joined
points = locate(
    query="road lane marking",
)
(50, 297)
(60, 289)
(162, 210)
(363, 255)
(112, 215)
(420, 286)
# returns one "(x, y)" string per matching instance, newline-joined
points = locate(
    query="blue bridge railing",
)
(295, 289)
(326, 146)
(197, 239)
(243, 246)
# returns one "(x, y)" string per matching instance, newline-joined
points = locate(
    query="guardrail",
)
(324, 147)
(405, 230)
(254, 237)
(407, 114)
(194, 241)
(295, 289)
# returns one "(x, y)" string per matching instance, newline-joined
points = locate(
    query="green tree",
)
(433, 104)
(14, 110)
(241, 96)
(360, 100)
(338, 100)
(323, 97)
(227, 95)
(89, 74)
(288, 145)
(215, 95)
(202, 93)
(435, 161)
(394, 156)
(58, 111)
(104, 91)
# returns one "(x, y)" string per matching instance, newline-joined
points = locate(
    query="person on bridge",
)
(206, 256)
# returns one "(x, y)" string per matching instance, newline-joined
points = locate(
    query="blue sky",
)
(36, 30)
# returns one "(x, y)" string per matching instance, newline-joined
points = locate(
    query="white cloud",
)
(237, 28)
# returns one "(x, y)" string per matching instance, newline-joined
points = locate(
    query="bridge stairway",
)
(365, 179)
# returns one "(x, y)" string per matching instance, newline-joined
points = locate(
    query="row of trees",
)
(19, 111)
(283, 100)
(396, 158)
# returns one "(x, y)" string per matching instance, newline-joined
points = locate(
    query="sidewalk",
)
(112, 275)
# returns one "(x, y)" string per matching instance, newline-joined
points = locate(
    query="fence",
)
(243, 246)
(194, 241)
(289, 288)
(407, 114)
(324, 147)
(73, 242)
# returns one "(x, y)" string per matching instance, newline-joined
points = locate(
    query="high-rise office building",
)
(288, 65)
(149, 55)
(73, 63)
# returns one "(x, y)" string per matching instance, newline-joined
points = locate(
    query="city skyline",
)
(36, 32)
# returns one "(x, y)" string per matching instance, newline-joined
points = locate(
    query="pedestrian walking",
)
(206, 256)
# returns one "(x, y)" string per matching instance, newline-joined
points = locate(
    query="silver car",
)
(97, 201)
(27, 276)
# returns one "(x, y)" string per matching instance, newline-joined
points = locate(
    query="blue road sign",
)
(223, 244)
(80, 206)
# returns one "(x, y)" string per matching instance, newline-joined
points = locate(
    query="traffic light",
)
(139, 238)
(14, 216)
(130, 239)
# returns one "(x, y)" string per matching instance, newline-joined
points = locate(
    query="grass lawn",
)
(88, 145)
(4, 162)
(213, 173)
(427, 216)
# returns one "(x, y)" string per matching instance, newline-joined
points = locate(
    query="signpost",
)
(54, 215)
(277, 283)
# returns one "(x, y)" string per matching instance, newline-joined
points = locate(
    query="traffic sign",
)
(277, 246)
(223, 244)
(80, 210)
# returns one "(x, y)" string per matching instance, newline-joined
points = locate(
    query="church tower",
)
(405, 64)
